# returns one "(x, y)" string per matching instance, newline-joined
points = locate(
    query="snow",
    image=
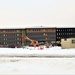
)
(35, 51)
(11, 64)
(37, 66)
(35, 26)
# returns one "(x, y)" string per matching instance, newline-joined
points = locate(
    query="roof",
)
(35, 26)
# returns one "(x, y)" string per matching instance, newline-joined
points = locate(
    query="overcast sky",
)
(37, 12)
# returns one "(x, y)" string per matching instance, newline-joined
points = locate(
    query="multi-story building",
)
(10, 36)
(64, 32)
(14, 35)
(47, 34)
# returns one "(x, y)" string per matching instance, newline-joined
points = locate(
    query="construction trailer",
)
(68, 43)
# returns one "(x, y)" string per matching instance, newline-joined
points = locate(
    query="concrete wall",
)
(67, 43)
(73, 43)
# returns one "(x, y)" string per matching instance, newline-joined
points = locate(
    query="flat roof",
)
(25, 27)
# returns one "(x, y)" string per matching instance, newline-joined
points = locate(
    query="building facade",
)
(64, 33)
(14, 36)
(47, 34)
(10, 36)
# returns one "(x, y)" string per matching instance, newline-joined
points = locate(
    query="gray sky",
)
(37, 12)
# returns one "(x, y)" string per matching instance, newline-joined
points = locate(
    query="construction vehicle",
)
(41, 42)
(36, 43)
(33, 42)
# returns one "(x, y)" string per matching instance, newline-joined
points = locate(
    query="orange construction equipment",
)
(33, 42)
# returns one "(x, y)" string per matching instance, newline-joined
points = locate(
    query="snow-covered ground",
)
(12, 62)
(35, 51)
(37, 66)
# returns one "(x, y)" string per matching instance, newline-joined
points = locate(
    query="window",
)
(17, 42)
(17, 38)
(59, 33)
(59, 37)
(38, 29)
(33, 30)
(46, 38)
(4, 34)
(57, 29)
(73, 41)
(17, 30)
(17, 34)
(44, 30)
(65, 39)
(63, 33)
(4, 42)
(44, 34)
(28, 29)
(69, 29)
(4, 30)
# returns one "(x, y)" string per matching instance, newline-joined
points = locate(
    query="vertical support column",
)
(25, 35)
(22, 37)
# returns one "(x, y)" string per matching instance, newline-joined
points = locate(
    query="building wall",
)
(13, 36)
(68, 43)
(47, 34)
(10, 36)
(64, 33)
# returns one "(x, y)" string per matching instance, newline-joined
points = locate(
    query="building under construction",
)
(41, 34)
(15, 36)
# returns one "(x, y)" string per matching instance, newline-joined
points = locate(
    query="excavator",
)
(33, 42)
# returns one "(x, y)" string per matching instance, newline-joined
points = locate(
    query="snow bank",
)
(33, 51)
